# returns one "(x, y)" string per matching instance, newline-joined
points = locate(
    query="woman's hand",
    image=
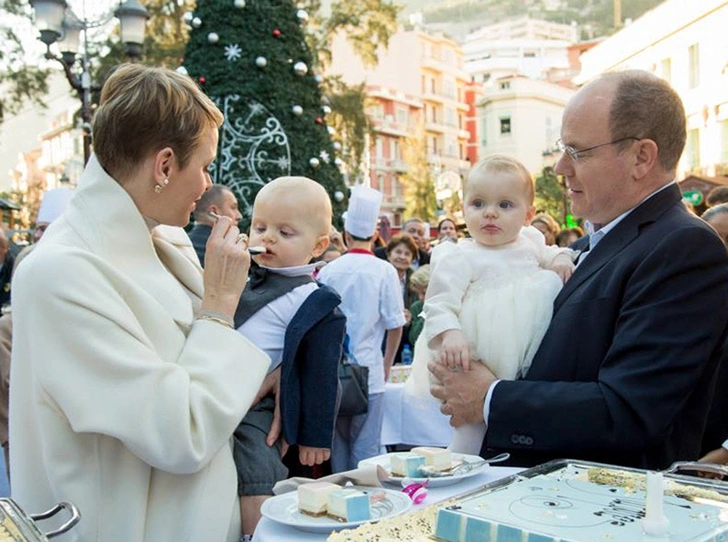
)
(226, 267)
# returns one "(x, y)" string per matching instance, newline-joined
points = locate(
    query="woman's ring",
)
(242, 237)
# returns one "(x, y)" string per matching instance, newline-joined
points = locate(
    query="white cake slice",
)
(313, 498)
(436, 458)
(406, 463)
(348, 505)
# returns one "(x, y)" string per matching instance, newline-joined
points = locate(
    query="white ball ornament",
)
(188, 16)
(326, 109)
(339, 162)
(300, 68)
(197, 22)
(239, 4)
(314, 162)
(337, 146)
(302, 15)
(212, 37)
(297, 110)
(318, 78)
(331, 130)
(339, 196)
(181, 70)
(261, 62)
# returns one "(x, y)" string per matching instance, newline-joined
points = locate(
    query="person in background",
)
(372, 303)
(566, 238)
(220, 200)
(6, 268)
(717, 196)
(128, 377)
(547, 225)
(297, 323)
(490, 297)
(52, 205)
(418, 284)
(714, 448)
(400, 253)
(447, 230)
(650, 288)
(415, 228)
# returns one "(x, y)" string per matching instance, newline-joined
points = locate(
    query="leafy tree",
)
(418, 181)
(551, 195)
(19, 82)
(253, 61)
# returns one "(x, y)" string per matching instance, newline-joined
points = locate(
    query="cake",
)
(406, 463)
(565, 506)
(436, 458)
(313, 498)
(348, 505)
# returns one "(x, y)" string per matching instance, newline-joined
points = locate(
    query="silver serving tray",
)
(17, 526)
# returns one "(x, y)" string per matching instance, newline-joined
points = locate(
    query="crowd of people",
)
(142, 383)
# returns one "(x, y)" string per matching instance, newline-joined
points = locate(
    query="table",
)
(269, 531)
(412, 421)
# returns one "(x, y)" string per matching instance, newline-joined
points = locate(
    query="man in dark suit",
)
(6, 268)
(625, 372)
(220, 200)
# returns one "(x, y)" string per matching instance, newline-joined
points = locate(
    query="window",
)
(380, 148)
(505, 125)
(402, 119)
(483, 132)
(506, 85)
(666, 69)
(693, 65)
(693, 149)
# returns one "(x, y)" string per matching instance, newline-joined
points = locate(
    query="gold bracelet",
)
(211, 318)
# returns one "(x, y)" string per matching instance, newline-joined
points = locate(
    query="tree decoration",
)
(181, 70)
(188, 16)
(202, 80)
(337, 146)
(339, 195)
(233, 52)
(326, 109)
(302, 15)
(196, 22)
(318, 78)
(300, 68)
(319, 120)
(339, 162)
(239, 4)
(212, 37)
(270, 108)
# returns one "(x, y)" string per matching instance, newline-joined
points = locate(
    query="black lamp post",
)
(58, 24)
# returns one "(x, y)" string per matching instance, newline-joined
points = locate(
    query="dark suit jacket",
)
(625, 372)
(310, 370)
(199, 236)
(6, 274)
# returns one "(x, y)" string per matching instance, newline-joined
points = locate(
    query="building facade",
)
(681, 42)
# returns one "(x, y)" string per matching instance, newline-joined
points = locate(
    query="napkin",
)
(367, 476)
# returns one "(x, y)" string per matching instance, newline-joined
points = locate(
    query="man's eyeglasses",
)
(575, 153)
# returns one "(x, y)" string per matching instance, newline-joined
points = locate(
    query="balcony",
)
(389, 126)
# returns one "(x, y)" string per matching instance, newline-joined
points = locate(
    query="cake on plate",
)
(313, 498)
(406, 463)
(435, 458)
(347, 505)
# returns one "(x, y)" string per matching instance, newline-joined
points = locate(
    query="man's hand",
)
(719, 457)
(312, 456)
(462, 392)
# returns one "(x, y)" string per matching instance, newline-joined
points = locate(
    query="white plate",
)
(385, 461)
(284, 509)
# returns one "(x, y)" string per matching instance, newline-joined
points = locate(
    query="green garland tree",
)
(251, 58)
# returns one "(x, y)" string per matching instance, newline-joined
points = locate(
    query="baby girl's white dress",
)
(502, 300)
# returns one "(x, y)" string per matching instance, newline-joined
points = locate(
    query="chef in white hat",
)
(52, 205)
(371, 300)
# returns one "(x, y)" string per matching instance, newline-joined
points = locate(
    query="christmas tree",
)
(250, 57)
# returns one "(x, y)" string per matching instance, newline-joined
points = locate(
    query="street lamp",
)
(57, 23)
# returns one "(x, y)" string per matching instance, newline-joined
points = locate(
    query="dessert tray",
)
(571, 501)
(442, 479)
(283, 509)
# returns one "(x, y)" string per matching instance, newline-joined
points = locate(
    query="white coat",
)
(121, 402)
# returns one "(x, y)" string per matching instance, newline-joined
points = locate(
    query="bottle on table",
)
(406, 357)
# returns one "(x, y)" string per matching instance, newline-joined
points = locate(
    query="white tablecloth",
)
(412, 421)
(269, 531)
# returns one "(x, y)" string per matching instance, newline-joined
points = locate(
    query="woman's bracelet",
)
(216, 317)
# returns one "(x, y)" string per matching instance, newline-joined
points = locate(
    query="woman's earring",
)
(159, 187)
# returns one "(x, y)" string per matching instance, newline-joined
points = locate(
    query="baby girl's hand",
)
(563, 267)
(454, 350)
(312, 456)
